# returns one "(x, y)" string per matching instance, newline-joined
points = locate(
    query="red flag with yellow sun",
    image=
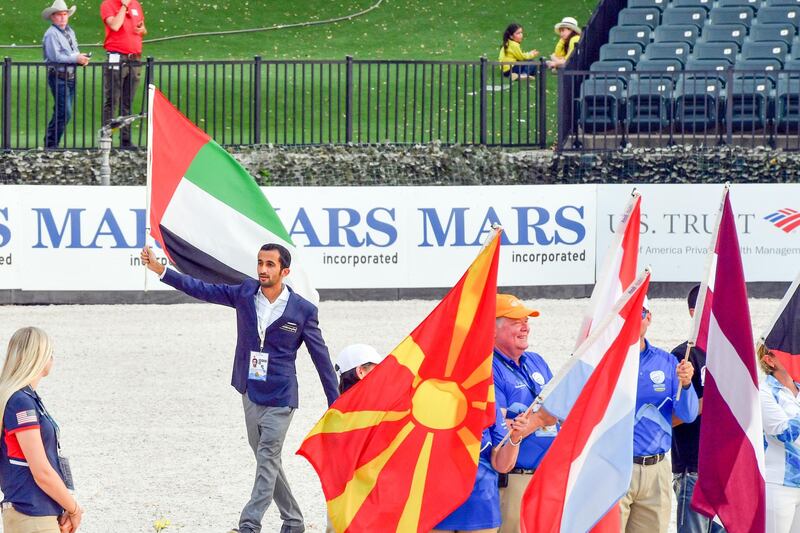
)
(399, 451)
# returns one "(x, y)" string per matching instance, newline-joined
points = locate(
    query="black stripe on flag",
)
(198, 264)
(785, 334)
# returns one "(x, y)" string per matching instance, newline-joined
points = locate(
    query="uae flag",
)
(205, 210)
(783, 337)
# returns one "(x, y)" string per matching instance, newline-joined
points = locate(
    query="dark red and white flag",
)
(731, 460)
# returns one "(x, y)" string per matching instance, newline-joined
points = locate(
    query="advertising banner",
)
(677, 222)
(88, 238)
(8, 204)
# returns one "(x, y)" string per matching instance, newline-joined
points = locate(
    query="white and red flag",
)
(731, 460)
(588, 467)
(618, 270)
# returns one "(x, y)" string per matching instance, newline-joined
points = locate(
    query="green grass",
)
(398, 29)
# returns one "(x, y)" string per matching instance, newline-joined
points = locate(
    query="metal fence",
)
(611, 110)
(297, 102)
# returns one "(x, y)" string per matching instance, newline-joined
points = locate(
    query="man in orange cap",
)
(519, 376)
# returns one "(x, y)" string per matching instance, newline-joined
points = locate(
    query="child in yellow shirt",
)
(511, 52)
(569, 34)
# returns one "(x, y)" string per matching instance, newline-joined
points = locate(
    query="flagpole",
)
(148, 189)
(587, 343)
(697, 319)
(781, 307)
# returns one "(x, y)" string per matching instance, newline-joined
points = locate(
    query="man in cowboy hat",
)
(569, 34)
(123, 21)
(60, 50)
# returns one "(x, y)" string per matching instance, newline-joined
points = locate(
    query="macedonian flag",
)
(399, 451)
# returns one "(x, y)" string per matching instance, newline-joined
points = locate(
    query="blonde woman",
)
(35, 496)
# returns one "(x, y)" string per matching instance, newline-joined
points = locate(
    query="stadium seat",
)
(763, 70)
(621, 52)
(619, 69)
(630, 34)
(765, 50)
(776, 3)
(771, 32)
(651, 66)
(755, 4)
(708, 68)
(647, 103)
(792, 68)
(697, 103)
(600, 101)
(684, 15)
(705, 4)
(731, 15)
(724, 33)
(679, 51)
(639, 17)
(683, 33)
(658, 4)
(787, 104)
(778, 15)
(795, 51)
(716, 51)
(750, 104)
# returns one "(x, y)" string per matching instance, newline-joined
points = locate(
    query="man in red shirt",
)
(124, 24)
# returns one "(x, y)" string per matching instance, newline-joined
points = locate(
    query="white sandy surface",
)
(154, 429)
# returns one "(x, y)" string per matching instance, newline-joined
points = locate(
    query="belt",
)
(128, 57)
(648, 460)
(61, 74)
(523, 471)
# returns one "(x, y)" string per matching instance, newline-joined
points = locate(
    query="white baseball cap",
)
(356, 355)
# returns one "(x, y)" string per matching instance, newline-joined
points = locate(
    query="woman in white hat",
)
(569, 34)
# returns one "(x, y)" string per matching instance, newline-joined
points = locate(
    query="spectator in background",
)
(60, 50)
(512, 52)
(124, 25)
(686, 442)
(569, 34)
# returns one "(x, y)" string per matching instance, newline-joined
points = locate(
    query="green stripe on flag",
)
(216, 172)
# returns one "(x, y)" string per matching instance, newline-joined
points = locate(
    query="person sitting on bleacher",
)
(512, 52)
(569, 34)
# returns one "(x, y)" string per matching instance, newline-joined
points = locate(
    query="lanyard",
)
(519, 373)
(43, 411)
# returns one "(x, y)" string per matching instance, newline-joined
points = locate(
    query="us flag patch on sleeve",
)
(26, 417)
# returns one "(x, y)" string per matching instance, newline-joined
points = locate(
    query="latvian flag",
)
(783, 337)
(730, 481)
(206, 211)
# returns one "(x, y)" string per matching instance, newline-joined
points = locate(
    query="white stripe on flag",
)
(736, 387)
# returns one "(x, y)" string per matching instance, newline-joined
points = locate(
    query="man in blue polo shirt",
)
(519, 376)
(646, 506)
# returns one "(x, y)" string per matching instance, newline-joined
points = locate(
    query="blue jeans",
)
(63, 99)
(528, 70)
(688, 520)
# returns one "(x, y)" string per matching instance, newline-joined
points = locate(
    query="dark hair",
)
(510, 30)
(691, 299)
(350, 378)
(572, 33)
(283, 253)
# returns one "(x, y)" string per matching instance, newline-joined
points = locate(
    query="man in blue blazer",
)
(272, 322)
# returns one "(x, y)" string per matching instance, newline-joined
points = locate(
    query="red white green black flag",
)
(206, 211)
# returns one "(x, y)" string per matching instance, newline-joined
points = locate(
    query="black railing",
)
(612, 110)
(304, 102)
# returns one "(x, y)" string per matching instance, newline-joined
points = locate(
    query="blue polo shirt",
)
(25, 411)
(655, 402)
(482, 508)
(516, 386)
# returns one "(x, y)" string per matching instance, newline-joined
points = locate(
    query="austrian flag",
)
(206, 211)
